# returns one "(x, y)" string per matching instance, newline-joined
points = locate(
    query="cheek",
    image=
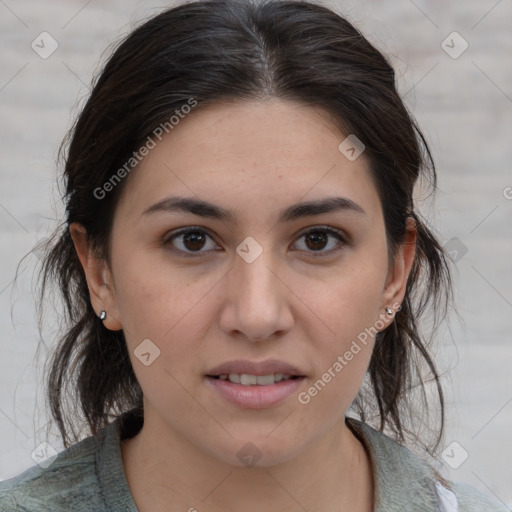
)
(347, 318)
(347, 301)
(149, 294)
(343, 352)
(172, 316)
(170, 307)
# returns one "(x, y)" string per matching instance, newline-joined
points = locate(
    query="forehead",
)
(249, 154)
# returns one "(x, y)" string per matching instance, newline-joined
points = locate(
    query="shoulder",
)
(470, 499)
(67, 483)
(404, 481)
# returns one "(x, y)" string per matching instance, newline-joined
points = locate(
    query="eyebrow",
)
(201, 208)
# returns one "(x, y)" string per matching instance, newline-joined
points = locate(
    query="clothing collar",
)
(403, 482)
(109, 462)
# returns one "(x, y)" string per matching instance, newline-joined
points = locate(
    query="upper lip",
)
(267, 367)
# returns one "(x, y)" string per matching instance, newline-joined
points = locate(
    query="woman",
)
(243, 267)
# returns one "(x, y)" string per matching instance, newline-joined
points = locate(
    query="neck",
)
(163, 468)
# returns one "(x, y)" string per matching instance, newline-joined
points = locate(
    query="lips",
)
(255, 385)
(261, 368)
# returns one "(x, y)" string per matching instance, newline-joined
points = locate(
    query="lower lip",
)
(255, 397)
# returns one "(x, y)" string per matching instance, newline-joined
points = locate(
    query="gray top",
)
(89, 477)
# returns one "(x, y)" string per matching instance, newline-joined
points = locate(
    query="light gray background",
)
(464, 107)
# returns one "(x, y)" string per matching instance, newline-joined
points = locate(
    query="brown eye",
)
(189, 241)
(318, 239)
(194, 240)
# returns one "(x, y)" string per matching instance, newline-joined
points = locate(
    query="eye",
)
(191, 241)
(317, 239)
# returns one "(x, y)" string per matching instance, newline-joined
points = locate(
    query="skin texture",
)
(255, 158)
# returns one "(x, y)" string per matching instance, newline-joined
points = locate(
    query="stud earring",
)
(389, 311)
(103, 315)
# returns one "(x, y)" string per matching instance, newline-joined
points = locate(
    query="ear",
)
(396, 284)
(99, 278)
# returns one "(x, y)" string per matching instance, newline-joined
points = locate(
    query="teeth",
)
(251, 380)
(265, 380)
(248, 380)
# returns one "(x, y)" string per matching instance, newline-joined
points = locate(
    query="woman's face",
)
(250, 286)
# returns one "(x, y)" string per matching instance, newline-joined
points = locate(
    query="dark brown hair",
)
(234, 50)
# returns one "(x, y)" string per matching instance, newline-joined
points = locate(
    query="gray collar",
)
(403, 481)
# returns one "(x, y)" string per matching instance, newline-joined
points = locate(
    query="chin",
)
(256, 452)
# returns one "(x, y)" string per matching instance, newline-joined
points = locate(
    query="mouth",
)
(249, 373)
(246, 379)
(255, 385)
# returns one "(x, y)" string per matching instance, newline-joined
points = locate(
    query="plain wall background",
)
(464, 107)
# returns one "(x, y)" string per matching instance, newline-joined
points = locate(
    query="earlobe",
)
(98, 278)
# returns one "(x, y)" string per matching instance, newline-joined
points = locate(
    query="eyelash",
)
(316, 254)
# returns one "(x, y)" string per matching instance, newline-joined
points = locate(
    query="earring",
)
(389, 311)
(103, 315)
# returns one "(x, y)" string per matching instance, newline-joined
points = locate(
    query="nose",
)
(257, 301)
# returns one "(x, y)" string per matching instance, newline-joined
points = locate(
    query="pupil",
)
(194, 238)
(316, 238)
